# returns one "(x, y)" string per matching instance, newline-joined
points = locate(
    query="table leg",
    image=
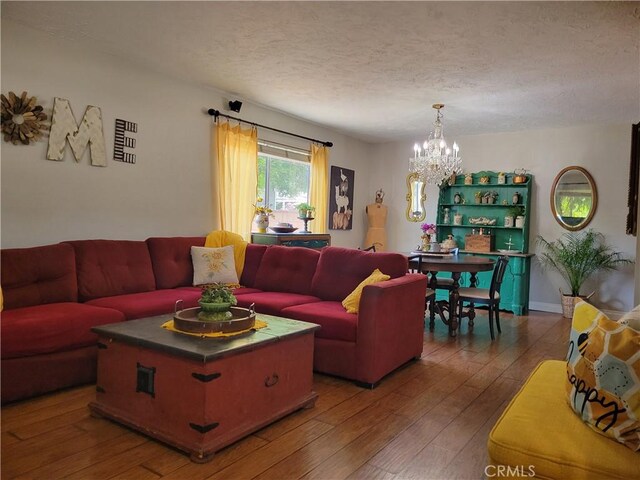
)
(472, 311)
(432, 305)
(453, 304)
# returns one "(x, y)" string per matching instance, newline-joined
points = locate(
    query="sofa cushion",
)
(340, 270)
(171, 260)
(272, 303)
(38, 275)
(539, 431)
(53, 327)
(287, 269)
(112, 267)
(335, 322)
(149, 304)
(253, 257)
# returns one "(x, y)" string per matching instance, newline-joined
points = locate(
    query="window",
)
(283, 183)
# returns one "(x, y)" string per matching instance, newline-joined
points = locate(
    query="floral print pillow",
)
(213, 265)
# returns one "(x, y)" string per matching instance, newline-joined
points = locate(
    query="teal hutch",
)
(464, 209)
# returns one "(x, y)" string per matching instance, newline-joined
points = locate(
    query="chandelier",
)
(435, 161)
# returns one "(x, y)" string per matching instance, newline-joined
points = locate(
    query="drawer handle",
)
(271, 381)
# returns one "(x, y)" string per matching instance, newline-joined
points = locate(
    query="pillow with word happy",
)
(213, 265)
(603, 371)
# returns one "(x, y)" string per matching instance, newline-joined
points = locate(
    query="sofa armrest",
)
(390, 324)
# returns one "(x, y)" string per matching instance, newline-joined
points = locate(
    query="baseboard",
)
(557, 308)
(545, 307)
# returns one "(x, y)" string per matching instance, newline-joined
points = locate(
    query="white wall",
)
(168, 190)
(603, 150)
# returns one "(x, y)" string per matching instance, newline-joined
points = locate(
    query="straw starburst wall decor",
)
(21, 118)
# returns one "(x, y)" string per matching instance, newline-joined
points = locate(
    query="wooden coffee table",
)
(202, 394)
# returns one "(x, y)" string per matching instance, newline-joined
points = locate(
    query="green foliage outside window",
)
(286, 180)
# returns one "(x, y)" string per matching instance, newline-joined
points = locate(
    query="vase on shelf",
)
(508, 221)
(519, 221)
(515, 199)
(262, 222)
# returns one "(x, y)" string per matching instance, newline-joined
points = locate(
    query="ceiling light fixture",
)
(435, 161)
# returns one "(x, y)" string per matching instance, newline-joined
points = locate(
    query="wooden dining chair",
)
(415, 266)
(490, 297)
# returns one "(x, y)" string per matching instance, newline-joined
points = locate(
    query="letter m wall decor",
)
(64, 128)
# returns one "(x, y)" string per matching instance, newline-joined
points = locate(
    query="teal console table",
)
(307, 240)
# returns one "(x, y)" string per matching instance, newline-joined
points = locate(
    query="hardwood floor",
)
(428, 420)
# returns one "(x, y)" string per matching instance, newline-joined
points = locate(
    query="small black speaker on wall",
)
(235, 105)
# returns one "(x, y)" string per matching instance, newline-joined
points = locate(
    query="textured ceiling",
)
(373, 69)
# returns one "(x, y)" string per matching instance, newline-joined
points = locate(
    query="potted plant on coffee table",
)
(215, 302)
(577, 256)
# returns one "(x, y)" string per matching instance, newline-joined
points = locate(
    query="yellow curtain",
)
(234, 162)
(319, 191)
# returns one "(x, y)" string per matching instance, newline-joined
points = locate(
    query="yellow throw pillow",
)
(352, 302)
(632, 318)
(603, 368)
(222, 238)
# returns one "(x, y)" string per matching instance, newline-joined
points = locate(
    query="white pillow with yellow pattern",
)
(213, 265)
(603, 371)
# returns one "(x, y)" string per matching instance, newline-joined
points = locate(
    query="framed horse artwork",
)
(341, 198)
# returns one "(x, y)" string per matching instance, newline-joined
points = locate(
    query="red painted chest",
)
(202, 394)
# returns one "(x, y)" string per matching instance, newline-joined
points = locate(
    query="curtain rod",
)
(216, 114)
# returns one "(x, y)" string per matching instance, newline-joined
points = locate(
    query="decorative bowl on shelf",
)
(283, 227)
(278, 229)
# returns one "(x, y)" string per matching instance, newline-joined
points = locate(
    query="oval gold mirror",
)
(416, 211)
(574, 198)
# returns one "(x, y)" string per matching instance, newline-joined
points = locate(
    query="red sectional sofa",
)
(54, 294)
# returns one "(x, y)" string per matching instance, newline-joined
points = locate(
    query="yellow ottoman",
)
(538, 432)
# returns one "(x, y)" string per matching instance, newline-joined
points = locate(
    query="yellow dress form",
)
(376, 234)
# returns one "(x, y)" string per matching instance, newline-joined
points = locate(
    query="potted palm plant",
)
(577, 256)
